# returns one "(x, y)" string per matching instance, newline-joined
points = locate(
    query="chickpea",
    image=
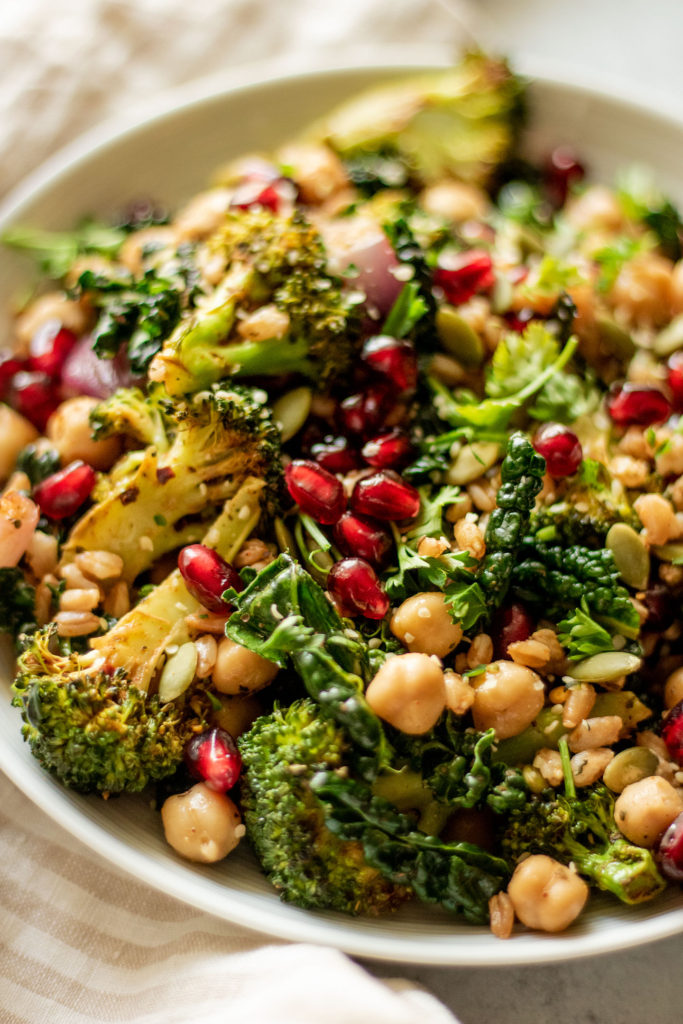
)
(646, 808)
(507, 698)
(70, 431)
(545, 894)
(673, 688)
(424, 624)
(202, 215)
(239, 670)
(16, 432)
(408, 692)
(55, 306)
(237, 714)
(316, 169)
(201, 824)
(455, 201)
(643, 289)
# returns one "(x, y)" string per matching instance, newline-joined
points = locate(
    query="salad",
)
(343, 513)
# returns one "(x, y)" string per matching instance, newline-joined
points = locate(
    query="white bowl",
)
(170, 156)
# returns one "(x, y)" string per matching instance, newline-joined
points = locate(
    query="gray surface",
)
(634, 987)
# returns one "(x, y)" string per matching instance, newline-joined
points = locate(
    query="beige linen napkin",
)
(80, 942)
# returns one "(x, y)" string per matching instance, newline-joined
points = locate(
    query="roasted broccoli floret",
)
(88, 716)
(583, 832)
(286, 823)
(17, 603)
(588, 506)
(273, 262)
(163, 497)
(461, 122)
(93, 730)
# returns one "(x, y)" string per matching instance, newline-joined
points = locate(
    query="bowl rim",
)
(171, 877)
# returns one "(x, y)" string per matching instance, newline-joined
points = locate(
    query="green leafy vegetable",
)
(458, 876)
(136, 314)
(407, 310)
(491, 417)
(56, 251)
(17, 603)
(556, 579)
(582, 635)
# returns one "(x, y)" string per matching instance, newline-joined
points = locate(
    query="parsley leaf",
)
(408, 308)
(56, 251)
(582, 635)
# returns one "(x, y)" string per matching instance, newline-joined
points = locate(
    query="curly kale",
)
(137, 314)
(555, 579)
(582, 831)
(38, 462)
(459, 767)
(95, 731)
(522, 472)
(17, 603)
(303, 859)
(459, 876)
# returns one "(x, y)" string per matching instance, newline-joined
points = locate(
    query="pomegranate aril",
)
(354, 584)
(335, 454)
(359, 536)
(462, 274)
(10, 364)
(269, 195)
(207, 576)
(385, 496)
(213, 757)
(563, 170)
(388, 451)
(520, 320)
(393, 358)
(561, 449)
(363, 413)
(49, 347)
(675, 380)
(317, 493)
(62, 494)
(637, 404)
(513, 623)
(672, 732)
(35, 396)
(670, 850)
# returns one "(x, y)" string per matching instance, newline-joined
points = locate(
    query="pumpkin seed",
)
(457, 337)
(630, 555)
(291, 410)
(630, 765)
(178, 672)
(471, 461)
(615, 338)
(670, 338)
(630, 708)
(605, 667)
(284, 539)
(669, 552)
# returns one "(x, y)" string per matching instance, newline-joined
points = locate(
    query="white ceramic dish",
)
(170, 156)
